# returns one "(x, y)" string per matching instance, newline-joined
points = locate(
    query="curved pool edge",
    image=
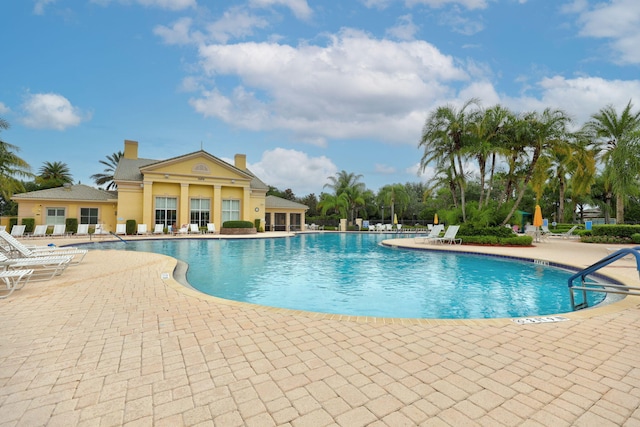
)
(174, 276)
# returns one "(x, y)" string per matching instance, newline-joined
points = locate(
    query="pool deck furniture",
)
(449, 236)
(13, 280)
(433, 233)
(115, 342)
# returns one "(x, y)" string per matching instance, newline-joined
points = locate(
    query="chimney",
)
(130, 149)
(240, 161)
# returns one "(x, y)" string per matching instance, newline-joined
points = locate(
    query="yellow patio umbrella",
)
(537, 217)
(395, 219)
(435, 219)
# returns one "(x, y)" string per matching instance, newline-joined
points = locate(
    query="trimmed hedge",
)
(497, 241)
(30, 224)
(238, 224)
(131, 226)
(71, 225)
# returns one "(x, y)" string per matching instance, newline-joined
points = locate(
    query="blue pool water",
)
(352, 274)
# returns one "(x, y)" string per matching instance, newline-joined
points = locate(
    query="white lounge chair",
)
(18, 230)
(449, 236)
(158, 229)
(194, 229)
(211, 228)
(83, 230)
(3, 227)
(39, 231)
(142, 229)
(121, 229)
(14, 279)
(184, 229)
(433, 233)
(567, 234)
(59, 230)
(39, 251)
(44, 267)
(100, 230)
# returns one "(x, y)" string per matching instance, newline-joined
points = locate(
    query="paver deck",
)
(114, 342)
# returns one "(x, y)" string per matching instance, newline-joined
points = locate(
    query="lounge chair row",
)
(20, 263)
(184, 229)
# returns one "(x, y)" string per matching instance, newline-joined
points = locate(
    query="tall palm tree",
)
(106, 177)
(11, 167)
(535, 133)
(348, 185)
(332, 203)
(396, 196)
(616, 136)
(54, 174)
(445, 135)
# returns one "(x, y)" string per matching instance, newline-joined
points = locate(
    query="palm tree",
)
(445, 135)
(107, 176)
(536, 133)
(11, 167)
(348, 185)
(54, 174)
(395, 196)
(616, 136)
(330, 202)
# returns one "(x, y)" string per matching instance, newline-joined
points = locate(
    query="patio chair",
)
(14, 279)
(433, 233)
(18, 230)
(43, 267)
(59, 230)
(194, 229)
(184, 229)
(142, 229)
(83, 230)
(121, 229)
(24, 251)
(211, 228)
(449, 236)
(39, 231)
(567, 234)
(100, 230)
(158, 229)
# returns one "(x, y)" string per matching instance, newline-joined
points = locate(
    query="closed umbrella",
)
(395, 219)
(435, 219)
(537, 217)
(537, 221)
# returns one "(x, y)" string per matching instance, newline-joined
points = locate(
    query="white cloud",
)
(235, 23)
(617, 21)
(404, 29)
(384, 169)
(3, 108)
(469, 4)
(51, 111)
(161, 4)
(293, 169)
(354, 87)
(300, 8)
(179, 33)
(38, 8)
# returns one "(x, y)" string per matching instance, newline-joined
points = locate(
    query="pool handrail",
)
(621, 253)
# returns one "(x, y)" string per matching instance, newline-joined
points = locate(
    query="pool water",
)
(352, 274)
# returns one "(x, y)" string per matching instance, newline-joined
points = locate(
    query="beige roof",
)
(274, 202)
(73, 192)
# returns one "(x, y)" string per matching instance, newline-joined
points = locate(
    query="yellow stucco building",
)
(195, 188)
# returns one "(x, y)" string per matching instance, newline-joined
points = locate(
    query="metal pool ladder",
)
(610, 288)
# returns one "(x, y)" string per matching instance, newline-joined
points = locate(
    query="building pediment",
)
(198, 164)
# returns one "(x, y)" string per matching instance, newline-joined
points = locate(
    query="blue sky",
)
(304, 88)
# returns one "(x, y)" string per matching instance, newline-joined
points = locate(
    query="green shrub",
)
(131, 226)
(237, 224)
(615, 230)
(12, 222)
(30, 224)
(71, 225)
(635, 238)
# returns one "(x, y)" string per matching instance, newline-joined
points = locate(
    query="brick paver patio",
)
(113, 342)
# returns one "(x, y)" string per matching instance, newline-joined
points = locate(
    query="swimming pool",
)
(352, 274)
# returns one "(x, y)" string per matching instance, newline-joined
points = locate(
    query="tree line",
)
(489, 165)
